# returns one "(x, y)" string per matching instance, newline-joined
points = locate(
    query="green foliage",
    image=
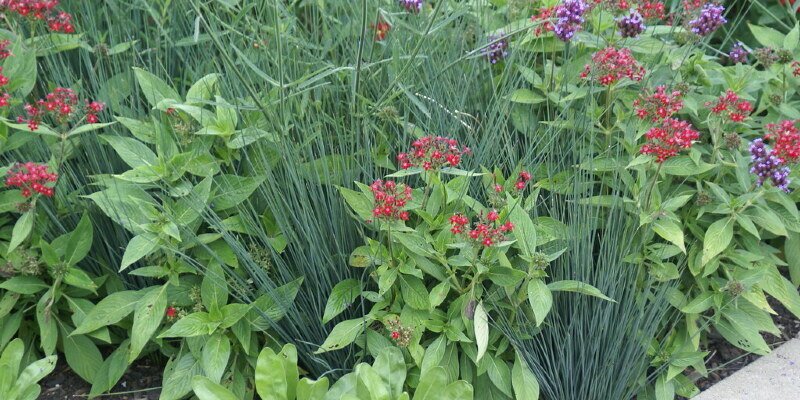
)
(17, 380)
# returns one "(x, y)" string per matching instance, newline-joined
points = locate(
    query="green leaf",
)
(481, 321)
(505, 276)
(390, 366)
(82, 356)
(32, 374)
(22, 229)
(525, 385)
(717, 238)
(214, 359)
(342, 335)
(792, 250)
(792, 38)
(670, 231)
(358, 202)
(9, 199)
(232, 313)
(540, 298)
(206, 389)
(431, 384)
(227, 117)
(232, 190)
(702, 302)
(271, 380)
(214, 289)
(203, 89)
(414, 292)
(147, 318)
(194, 324)
(133, 152)
(524, 229)
(138, 247)
(526, 96)
(273, 305)
(741, 333)
(109, 311)
(153, 88)
(684, 166)
(578, 287)
(342, 295)
(767, 36)
(89, 128)
(499, 374)
(80, 241)
(24, 285)
(110, 371)
(178, 377)
(312, 390)
(664, 389)
(144, 131)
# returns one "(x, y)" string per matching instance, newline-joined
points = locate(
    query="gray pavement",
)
(775, 376)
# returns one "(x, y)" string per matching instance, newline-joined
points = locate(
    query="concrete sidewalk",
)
(773, 377)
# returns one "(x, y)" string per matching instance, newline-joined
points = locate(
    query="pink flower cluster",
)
(488, 231)
(667, 139)
(658, 105)
(786, 140)
(433, 153)
(4, 51)
(611, 65)
(31, 177)
(40, 10)
(4, 96)
(732, 104)
(62, 105)
(389, 199)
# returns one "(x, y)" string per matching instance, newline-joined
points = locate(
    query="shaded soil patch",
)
(140, 382)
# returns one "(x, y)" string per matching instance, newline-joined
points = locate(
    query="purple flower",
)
(767, 166)
(709, 20)
(738, 53)
(570, 18)
(497, 50)
(631, 26)
(412, 6)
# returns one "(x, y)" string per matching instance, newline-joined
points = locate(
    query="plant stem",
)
(652, 186)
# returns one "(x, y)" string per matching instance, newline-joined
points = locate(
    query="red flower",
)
(395, 335)
(731, 103)
(658, 105)
(610, 65)
(381, 28)
(487, 231)
(389, 200)
(31, 176)
(171, 312)
(40, 10)
(786, 140)
(669, 138)
(433, 153)
(62, 106)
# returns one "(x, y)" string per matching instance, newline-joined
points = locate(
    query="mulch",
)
(140, 382)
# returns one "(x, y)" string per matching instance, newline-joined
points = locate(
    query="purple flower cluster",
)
(709, 20)
(631, 26)
(497, 50)
(412, 6)
(738, 53)
(570, 18)
(768, 166)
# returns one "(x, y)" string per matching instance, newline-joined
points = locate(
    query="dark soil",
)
(140, 382)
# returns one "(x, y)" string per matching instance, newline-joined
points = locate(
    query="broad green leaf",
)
(526, 96)
(431, 384)
(540, 298)
(578, 287)
(390, 366)
(24, 285)
(109, 311)
(110, 371)
(10, 199)
(741, 334)
(271, 380)
(232, 190)
(138, 247)
(499, 374)
(274, 305)
(525, 385)
(178, 377)
(80, 241)
(792, 38)
(524, 229)
(206, 389)
(22, 229)
(32, 374)
(717, 238)
(214, 359)
(414, 292)
(358, 202)
(702, 302)
(194, 324)
(792, 250)
(481, 321)
(214, 289)
(203, 89)
(342, 296)
(312, 390)
(82, 355)
(89, 128)
(342, 335)
(767, 36)
(664, 389)
(147, 318)
(670, 231)
(133, 152)
(153, 88)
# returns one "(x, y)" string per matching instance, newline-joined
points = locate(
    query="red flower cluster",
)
(658, 105)
(4, 96)
(651, 10)
(31, 176)
(730, 102)
(61, 104)
(786, 140)
(611, 65)
(390, 198)
(4, 52)
(41, 10)
(522, 181)
(545, 14)
(171, 311)
(487, 231)
(381, 28)
(669, 138)
(796, 68)
(433, 153)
